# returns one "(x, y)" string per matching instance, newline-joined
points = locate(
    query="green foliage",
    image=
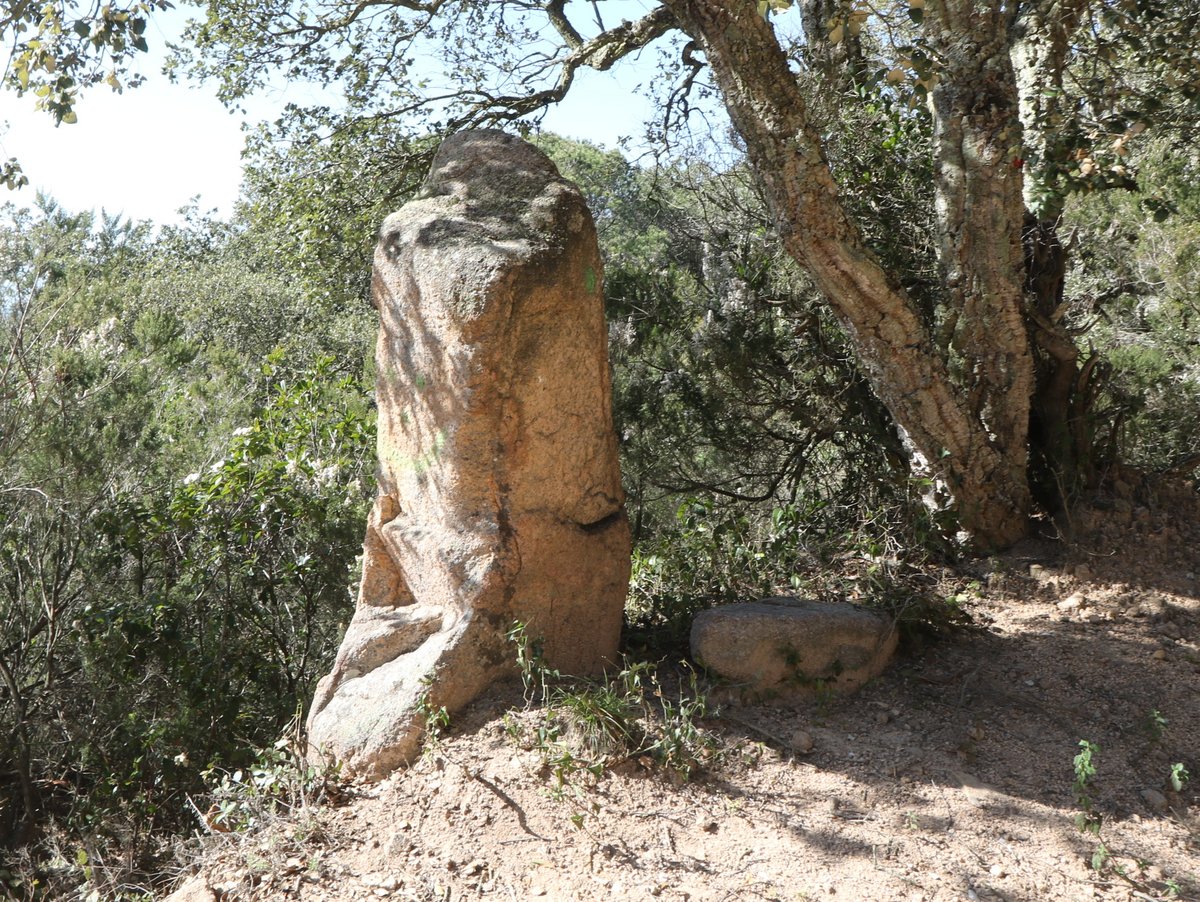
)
(237, 574)
(436, 717)
(587, 726)
(278, 783)
(530, 662)
(11, 175)
(1105, 859)
(1088, 820)
(1178, 777)
(59, 48)
(881, 156)
(751, 446)
(715, 553)
(72, 405)
(720, 552)
(727, 376)
(315, 198)
(1156, 725)
(1135, 289)
(179, 517)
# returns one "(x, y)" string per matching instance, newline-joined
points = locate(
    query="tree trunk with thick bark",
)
(977, 140)
(1061, 435)
(975, 443)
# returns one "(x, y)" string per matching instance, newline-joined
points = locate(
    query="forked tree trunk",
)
(973, 438)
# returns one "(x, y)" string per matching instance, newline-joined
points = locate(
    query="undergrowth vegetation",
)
(186, 447)
(586, 726)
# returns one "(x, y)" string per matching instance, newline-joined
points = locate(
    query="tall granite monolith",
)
(499, 491)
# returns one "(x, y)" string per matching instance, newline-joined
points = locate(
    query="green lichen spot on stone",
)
(589, 280)
(418, 464)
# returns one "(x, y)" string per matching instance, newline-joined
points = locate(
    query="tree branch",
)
(601, 53)
(558, 18)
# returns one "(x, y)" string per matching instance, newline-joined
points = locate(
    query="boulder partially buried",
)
(499, 490)
(781, 647)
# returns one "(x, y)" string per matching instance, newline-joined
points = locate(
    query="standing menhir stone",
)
(500, 495)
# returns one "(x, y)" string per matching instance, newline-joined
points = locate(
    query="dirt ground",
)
(949, 778)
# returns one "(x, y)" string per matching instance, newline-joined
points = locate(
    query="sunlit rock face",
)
(499, 490)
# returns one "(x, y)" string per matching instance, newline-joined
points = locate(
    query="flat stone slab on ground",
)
(783, 646)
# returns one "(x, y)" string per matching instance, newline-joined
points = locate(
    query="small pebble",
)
(802, 742)
(997, 870)
(1154, 799)
(1072, 602)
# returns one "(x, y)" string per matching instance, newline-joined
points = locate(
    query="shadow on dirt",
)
(1011, 708)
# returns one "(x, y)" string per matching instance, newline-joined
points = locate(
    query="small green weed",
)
(1156, 725)
(1178, 777)
(681, 744)
(1104, 860)
(530, 661)
(436, 717)
(1088, 820)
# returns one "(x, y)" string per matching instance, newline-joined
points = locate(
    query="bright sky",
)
(146, 153)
